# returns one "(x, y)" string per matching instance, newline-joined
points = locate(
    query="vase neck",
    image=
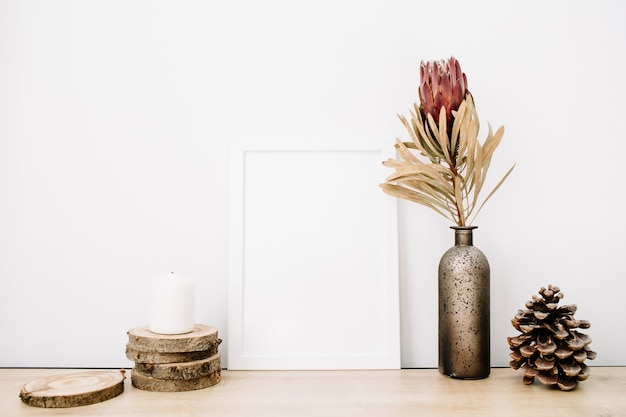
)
(463, 235)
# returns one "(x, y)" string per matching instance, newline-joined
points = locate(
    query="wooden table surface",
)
(387, 393)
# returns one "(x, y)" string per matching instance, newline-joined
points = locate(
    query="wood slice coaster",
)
(202, 337)
(181, 370)
(138, 356)
(148, 383)
(73, 390)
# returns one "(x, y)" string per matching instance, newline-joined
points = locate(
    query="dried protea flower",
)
(443, 129)
(442, 85)
(549, 348)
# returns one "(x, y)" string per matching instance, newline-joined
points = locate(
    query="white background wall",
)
(116, 116)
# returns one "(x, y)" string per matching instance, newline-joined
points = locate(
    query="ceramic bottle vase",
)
(464, 308)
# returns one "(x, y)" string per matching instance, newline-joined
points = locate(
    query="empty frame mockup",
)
(313, 281)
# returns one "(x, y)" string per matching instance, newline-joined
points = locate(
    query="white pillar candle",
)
(172, 304)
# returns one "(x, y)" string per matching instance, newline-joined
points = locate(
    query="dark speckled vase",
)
(464, 309)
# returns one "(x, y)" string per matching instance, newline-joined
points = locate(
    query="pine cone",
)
(548, 347)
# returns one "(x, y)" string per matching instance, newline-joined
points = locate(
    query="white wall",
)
(115, 120)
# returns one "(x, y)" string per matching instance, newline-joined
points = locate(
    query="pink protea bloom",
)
(442, 84)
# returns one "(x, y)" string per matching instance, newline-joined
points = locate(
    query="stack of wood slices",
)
(179, 362)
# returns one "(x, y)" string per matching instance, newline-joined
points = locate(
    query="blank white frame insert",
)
(313, 280)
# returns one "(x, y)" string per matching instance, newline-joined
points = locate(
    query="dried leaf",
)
(411, 131)
(492, 141)
(494, 190)
(426, 142)
(404, 152)
(443, 135)
(456, 125)
(461, 162)
(401, 192)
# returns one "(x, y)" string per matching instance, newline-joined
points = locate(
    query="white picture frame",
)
(313, 257)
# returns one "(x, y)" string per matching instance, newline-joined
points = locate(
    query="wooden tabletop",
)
(392, 393)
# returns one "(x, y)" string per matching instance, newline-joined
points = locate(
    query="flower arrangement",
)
(444, 130)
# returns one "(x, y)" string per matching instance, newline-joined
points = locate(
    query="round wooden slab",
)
(138, 356)
(181, 370)
(148, 383)
(73, 390)
(202, 337)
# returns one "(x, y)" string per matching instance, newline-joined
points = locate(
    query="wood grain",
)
(201, 338)
(380, 393)
(73, 389)
(148, 383)
(139, 356)
(181, 370)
